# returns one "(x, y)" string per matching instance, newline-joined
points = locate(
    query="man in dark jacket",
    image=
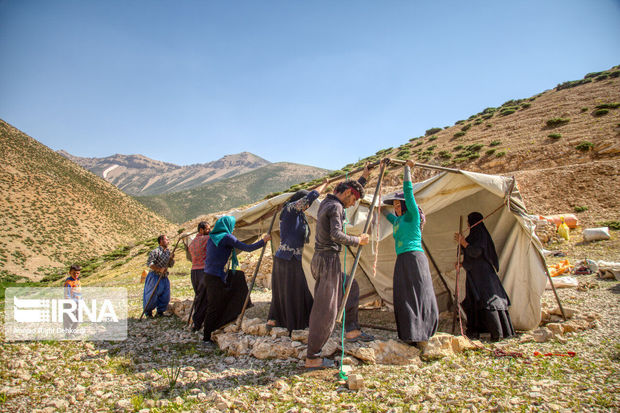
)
(327, 272)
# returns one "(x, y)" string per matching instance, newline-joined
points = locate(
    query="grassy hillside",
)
(54, 212)
(229, 193)
(563, 146)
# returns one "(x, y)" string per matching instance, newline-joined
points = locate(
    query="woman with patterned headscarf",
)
(415, 305)
(291, 301)
(486, 302)
(225, 292)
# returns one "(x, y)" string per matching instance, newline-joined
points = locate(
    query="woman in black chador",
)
(486, 302)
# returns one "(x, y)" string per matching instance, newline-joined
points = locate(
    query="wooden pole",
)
(158, 280)
(426, 166)
(359, 249)
(247, 298)
(456, 288)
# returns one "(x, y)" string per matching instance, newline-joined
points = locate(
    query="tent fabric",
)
(444, 198)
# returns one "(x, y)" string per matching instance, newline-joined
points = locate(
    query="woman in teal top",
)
(415, 305)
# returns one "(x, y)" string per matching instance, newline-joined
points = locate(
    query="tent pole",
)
(359, 249)
(557, 297)
(426, 166)
(456, 288)
(247, 298)
(443, 280)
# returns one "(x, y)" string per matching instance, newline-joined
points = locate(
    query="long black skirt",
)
(291, 301)
(486, 303)
(415, 305)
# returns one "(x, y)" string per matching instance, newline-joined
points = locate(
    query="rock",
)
(178, 400)
(542, 335)
(330, 348)
(58, 404)
(569, 312)
(350, 361)
(395, 352)
(201, 396)
(221, 403)
(300, 335)
(229, 360)
(263, 350)
(123, 404)
(461, 344)
(365, 354)
(439, 346)
(162, 403)
(278, 332)
(281, 385)
(257, 329)
(248, 322)
(355, 382)
(556, 328)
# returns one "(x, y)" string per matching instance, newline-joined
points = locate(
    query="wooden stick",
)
(456, 288)
(426, 166)
(359, 249)
(158, 280)
(247, 298)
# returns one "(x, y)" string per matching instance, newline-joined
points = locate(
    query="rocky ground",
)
(163, 367)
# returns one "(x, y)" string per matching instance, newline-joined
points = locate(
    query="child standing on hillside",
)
(72, 291)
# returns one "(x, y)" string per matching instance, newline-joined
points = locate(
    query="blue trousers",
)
(161, 298)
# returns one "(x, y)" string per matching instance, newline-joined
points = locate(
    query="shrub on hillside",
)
(554, 122)
(601, 77)
(459, 122)
(500, 154)
(458, 147)
(555, 135)
(466, 127)
(584, 109)
(432, 138)
(459, 134)
(585, 146)
(615, 225)
(526, 105)
(495, 143)
(581, 208)
(507, 111)
(600, 112)
(432, 131)
(490, 151)
(593, 74)
(572, 83)
(445, 154)
(611, 105)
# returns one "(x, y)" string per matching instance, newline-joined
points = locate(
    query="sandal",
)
(364, 337)
(325, 364)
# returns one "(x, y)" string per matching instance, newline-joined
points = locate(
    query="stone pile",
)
(256, 340)
(248, 265)
(553, 326)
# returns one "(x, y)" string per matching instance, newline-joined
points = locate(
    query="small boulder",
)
(355, 382)
(300, 335)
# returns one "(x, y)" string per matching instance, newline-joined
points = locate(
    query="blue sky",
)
(323, 83)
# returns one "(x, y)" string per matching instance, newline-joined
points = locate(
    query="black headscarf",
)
(296, 197)
(480, 237)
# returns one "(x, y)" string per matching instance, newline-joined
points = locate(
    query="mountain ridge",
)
(139, 175)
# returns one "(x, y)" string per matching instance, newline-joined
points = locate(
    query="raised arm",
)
(412, 206)
(232, 241)
(305, 202)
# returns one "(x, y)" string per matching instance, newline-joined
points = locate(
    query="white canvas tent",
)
(443, 198)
